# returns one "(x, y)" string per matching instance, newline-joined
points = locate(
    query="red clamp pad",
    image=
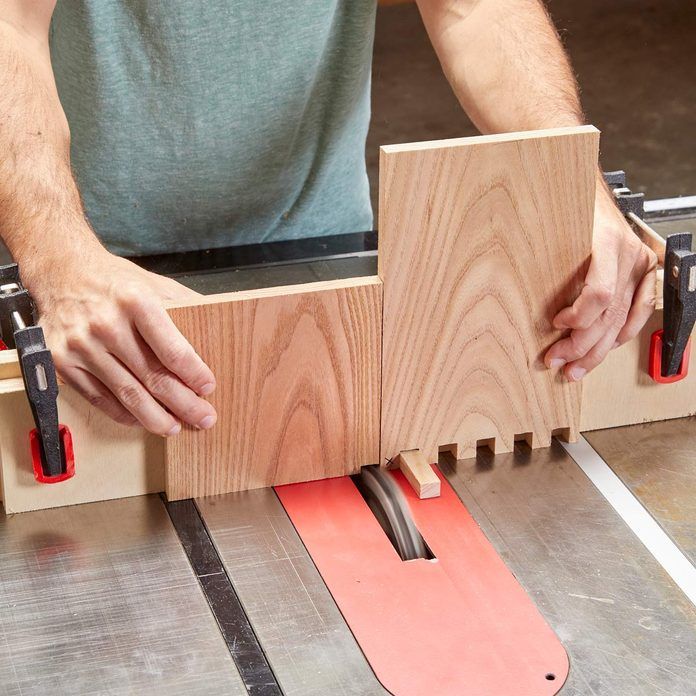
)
(458, 624)
(66, 439)
(655, 360)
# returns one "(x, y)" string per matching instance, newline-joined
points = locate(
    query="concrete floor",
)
(635, 63)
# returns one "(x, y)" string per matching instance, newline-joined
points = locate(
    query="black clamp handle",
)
(18, 330)
(679, 301)
(679, 287)
(627, 201)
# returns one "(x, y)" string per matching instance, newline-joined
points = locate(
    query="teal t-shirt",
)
(206, 124)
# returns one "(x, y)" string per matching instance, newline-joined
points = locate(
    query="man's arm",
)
(103, 316)
(509, 71)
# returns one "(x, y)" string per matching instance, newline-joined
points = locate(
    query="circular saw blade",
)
(389, 506)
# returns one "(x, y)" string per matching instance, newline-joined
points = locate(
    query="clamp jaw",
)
(670, 348)
(50, 442)
(627, 201)
(679, 301)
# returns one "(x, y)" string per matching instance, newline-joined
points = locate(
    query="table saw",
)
(219, 595)
(573, 562)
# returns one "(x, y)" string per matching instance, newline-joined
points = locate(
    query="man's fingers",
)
(592, 301)
(595, 343)
(96, 394)
(576, 370)
(171, 348)
(131, 393)
(641, 310)
(575, 346)
(581, 341)
(616, 299)
(166, 387)
(584, 349)
(595, 297)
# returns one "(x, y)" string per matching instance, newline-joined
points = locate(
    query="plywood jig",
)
(113, 461)
(620, 391)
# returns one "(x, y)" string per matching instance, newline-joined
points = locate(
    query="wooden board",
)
(418, 472)
(620, 391)
(9, 365)
(298, 373)
(112, 460)
(482, 241)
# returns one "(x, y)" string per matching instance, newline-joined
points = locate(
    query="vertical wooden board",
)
(620, 391)
(482, 240)
(111, 460)
(298, 380)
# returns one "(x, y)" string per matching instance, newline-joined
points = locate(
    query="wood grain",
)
(482, 241)
(9, 365)
(620, 391)
(420, 475)
(298, 373)
(649, 237)
(111, 460)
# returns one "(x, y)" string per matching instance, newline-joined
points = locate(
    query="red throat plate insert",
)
(459, 624)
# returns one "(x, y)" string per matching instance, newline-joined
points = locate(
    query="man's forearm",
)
(508, 68)
(40, 208)
(505, 63)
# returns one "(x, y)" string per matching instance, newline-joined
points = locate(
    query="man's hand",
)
(617, 299)
(112, 340)
(103, 316)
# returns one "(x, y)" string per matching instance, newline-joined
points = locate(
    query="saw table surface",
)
(656, 461)
(101, 598)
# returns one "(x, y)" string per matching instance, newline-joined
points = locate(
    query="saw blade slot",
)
(390, 508)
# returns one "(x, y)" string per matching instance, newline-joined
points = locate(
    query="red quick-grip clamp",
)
(68, 455)
(51, 444)
(670, 349)
(655, 361)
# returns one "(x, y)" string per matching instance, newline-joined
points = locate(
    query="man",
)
(224, 122)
